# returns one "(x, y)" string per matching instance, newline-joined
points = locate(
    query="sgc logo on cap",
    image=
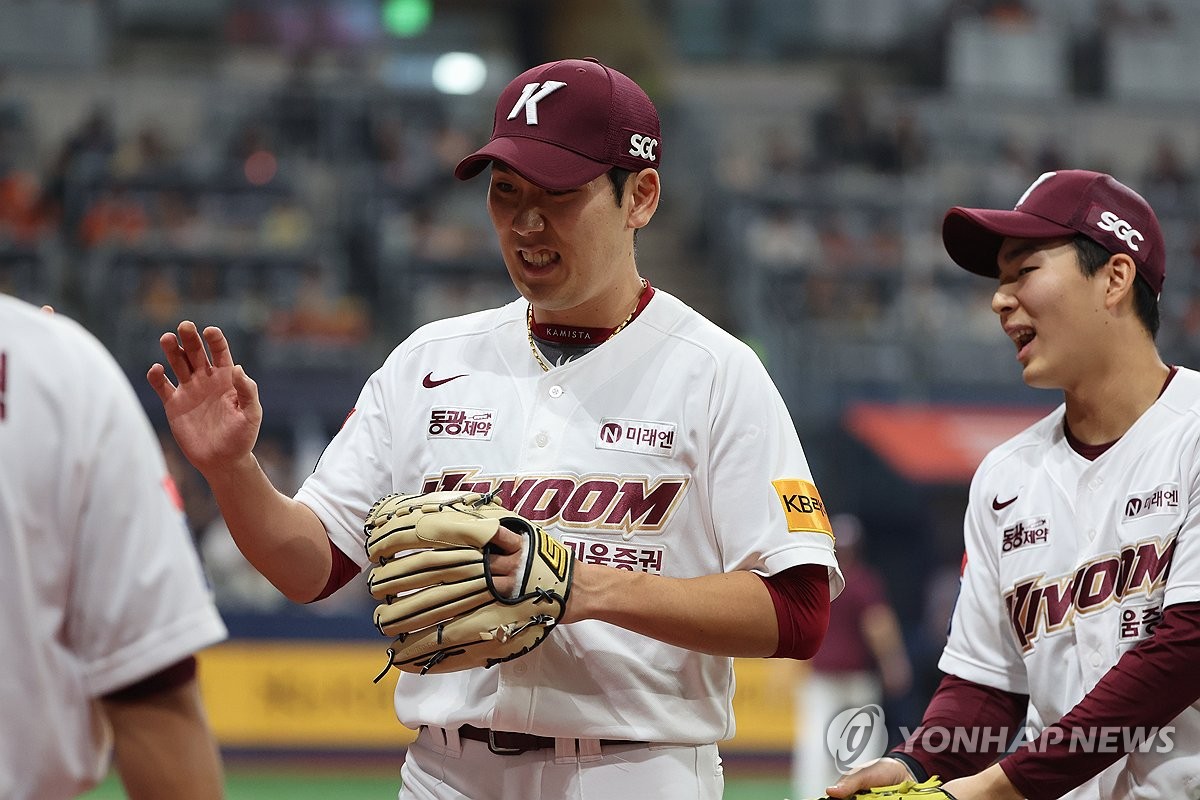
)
(1121, 229)
(642, 146)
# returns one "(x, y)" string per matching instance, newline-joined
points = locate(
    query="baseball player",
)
(103, 602)
(643, 437)
(1079, 607)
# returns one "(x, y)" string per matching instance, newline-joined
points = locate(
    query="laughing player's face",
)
(1049, 309)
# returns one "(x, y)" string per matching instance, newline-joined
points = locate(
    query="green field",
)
(257, 783)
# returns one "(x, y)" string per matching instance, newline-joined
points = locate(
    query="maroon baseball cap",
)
(1058, 204)
(565, 123)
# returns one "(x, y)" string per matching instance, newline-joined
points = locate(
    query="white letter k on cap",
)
(529, 99)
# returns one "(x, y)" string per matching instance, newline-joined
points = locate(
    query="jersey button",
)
(1092, 533)
(1096, 659)
(541, 439)
(556, 391)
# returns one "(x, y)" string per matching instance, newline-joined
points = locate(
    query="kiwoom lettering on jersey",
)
(623, 503)
(460, 423)
(637, 436)
(1162, 499)
(1027, 533)
(1044, 605)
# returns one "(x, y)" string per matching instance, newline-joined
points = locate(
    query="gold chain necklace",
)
(537, 354)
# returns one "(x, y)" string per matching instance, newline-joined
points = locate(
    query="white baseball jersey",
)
(666, 450)
(102, 586)
(1070, 563)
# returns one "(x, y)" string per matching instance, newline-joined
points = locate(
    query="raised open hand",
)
(214, 411)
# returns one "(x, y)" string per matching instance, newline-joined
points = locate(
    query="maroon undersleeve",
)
(958, 706)
(341, 571)
(1148, 687)
(801, 598)
(171, 677)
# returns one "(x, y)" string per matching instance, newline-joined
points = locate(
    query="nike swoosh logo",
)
(997, 505)
(428, 382)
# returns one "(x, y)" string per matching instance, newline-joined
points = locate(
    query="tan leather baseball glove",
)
(434, 584)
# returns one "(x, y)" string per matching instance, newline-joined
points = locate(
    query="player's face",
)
(570, 253)
(1049, 309)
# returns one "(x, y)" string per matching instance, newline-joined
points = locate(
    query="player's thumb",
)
(246, 388)
(845, 787)
(880, 772)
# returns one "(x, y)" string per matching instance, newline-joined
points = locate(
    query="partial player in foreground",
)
(618, 461)
(103, 603)
(1080, 596)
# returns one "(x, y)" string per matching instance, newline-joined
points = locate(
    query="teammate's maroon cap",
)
(1062, 203)
(565, 123)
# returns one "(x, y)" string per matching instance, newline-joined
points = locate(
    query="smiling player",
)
(643, 437)
(1080, 598)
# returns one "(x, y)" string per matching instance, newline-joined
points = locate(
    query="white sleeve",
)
(138, 598)
(1183, 581)
(980, 647)
(755, 451)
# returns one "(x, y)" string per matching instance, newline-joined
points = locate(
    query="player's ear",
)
(645, 190)
(1121, 272)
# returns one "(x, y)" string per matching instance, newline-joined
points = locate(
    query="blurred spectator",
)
(286, 226)
(1050, 156)
(1168, 180)
(83, 159)
(157, 295)
(843, 131)
(251, 156)
(847, 132)
(320, 313)
(839, 245)
(146, 156)
(178, 224)
(1005, 175)
(1124, 16)
(114, 217)
(296, 109)
(1008, 12)
(902, 148)
(21, 216)
(883, 249)
(389, 150)
(862, 661)
(781, 238)
(784, 158)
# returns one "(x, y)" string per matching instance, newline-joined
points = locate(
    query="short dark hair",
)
(619, 176)
(1092, 256)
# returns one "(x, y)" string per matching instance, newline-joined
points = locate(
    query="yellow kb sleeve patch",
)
(802, 506)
